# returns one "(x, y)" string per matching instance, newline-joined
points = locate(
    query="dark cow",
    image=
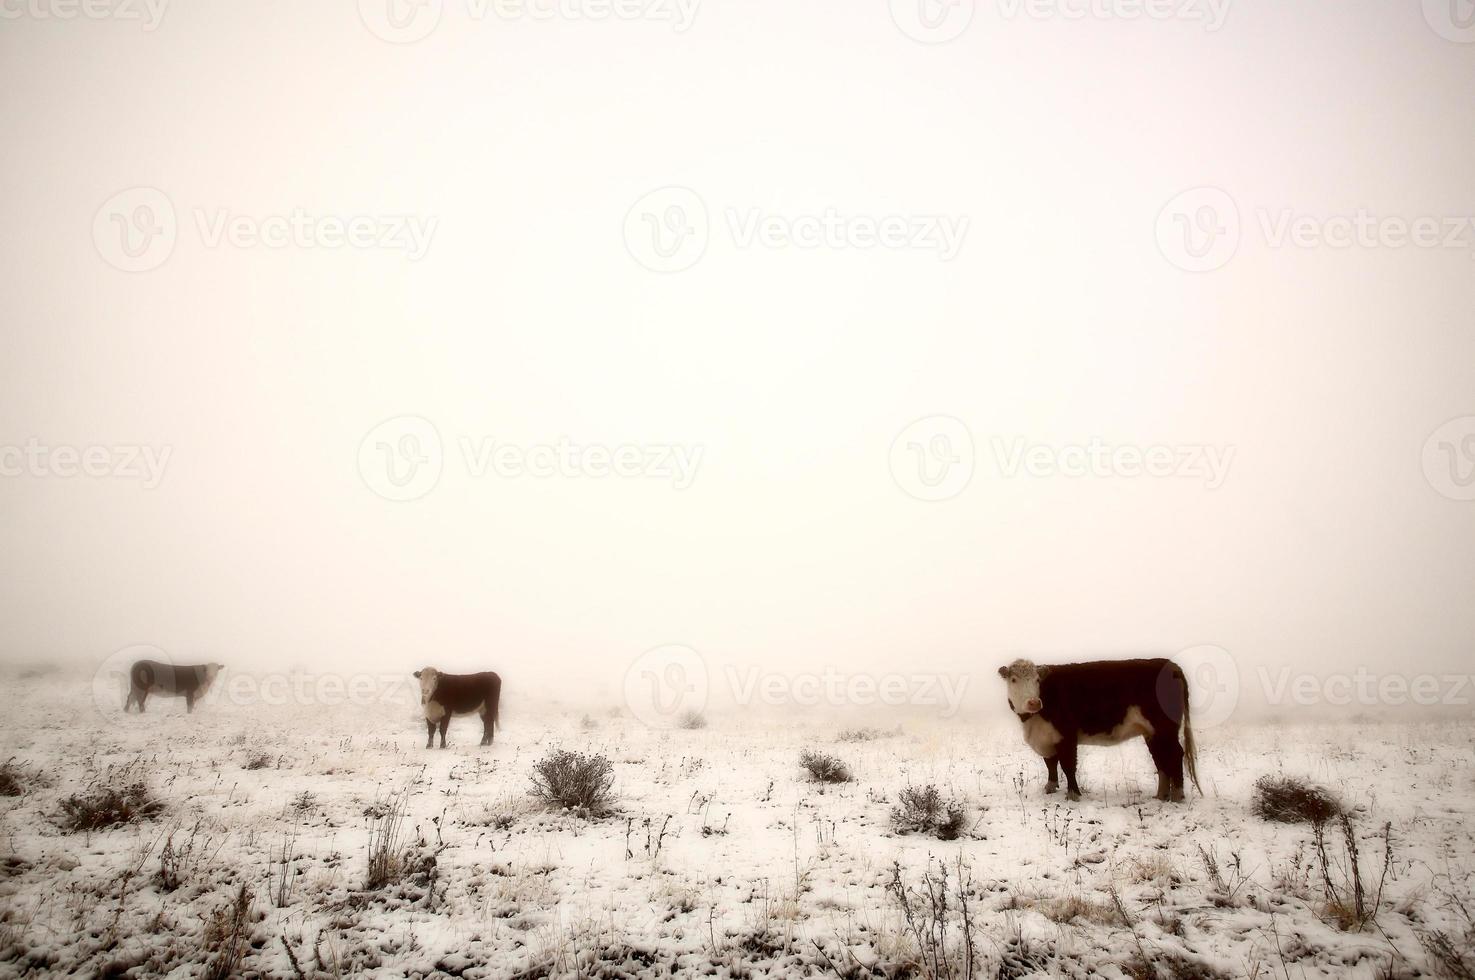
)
(1105, 703)
(444, 695)
(190, 681)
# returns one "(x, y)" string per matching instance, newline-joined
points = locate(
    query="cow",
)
(1104, 702)
(190, 681)
(443, 695)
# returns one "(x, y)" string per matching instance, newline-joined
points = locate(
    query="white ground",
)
(790, 877)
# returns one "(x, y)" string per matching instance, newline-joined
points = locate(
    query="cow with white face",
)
(444, 695)
(1104, 702)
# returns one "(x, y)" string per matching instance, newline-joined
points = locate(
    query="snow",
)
(721, 859)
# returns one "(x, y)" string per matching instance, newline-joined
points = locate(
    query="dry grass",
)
(924, 810)
(108, 806)
(824, 768)
(575, 781)
(1286, 799)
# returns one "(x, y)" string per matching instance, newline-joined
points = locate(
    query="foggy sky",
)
(528, 320)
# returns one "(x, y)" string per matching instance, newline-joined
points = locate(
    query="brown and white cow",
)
(189, 681)
(1104, 702)
(444, 695)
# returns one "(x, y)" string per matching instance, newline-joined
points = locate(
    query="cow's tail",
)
(1190, 752)
(497, 705)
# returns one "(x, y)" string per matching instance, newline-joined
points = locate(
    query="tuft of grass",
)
(574, 781)
(108, 806)
(258, 760)
(13, 778)
(228, 934)
(389, 854)
(1286, 799)
(924, 810)
(824, 768)
(863, 734)
(691, 720)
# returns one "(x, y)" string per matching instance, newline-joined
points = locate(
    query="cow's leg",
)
(486, 729)
(1167, 755)
(132, 693)
(1053, 764)
(445, 723)
(143, 697)
(189, 702)
(1066, 751)
(429, 734)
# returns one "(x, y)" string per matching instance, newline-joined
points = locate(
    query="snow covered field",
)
(722, 858)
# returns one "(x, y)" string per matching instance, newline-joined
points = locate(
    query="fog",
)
(426, 363)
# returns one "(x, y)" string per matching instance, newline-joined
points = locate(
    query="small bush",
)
(1286, 799)
(691, 720)
(862, 735)
(108, 806)
(824, 768)
(923, 810)
(258, 760)
(13, 779)
(574, 781)
(588, 723)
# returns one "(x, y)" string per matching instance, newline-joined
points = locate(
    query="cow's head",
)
(428, 677)
(1022, 679)
(212, 670)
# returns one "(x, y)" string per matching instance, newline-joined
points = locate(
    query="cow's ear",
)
(1003, 671)
(1042, 672)
(417, 673)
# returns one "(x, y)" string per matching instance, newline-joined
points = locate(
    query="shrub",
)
(923, 810)
(824, 768)
(13, 779)
(258, 760)
(574, 781)
(862, 735)
(108, 806)
(1286, 799)
(691, 720)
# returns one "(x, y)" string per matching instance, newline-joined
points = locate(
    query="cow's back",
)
(152, 676)
(1092, 697)
(462, 693)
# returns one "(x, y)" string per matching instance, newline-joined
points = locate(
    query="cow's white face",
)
(428, 677)
(211, 672)
(1022, 681)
